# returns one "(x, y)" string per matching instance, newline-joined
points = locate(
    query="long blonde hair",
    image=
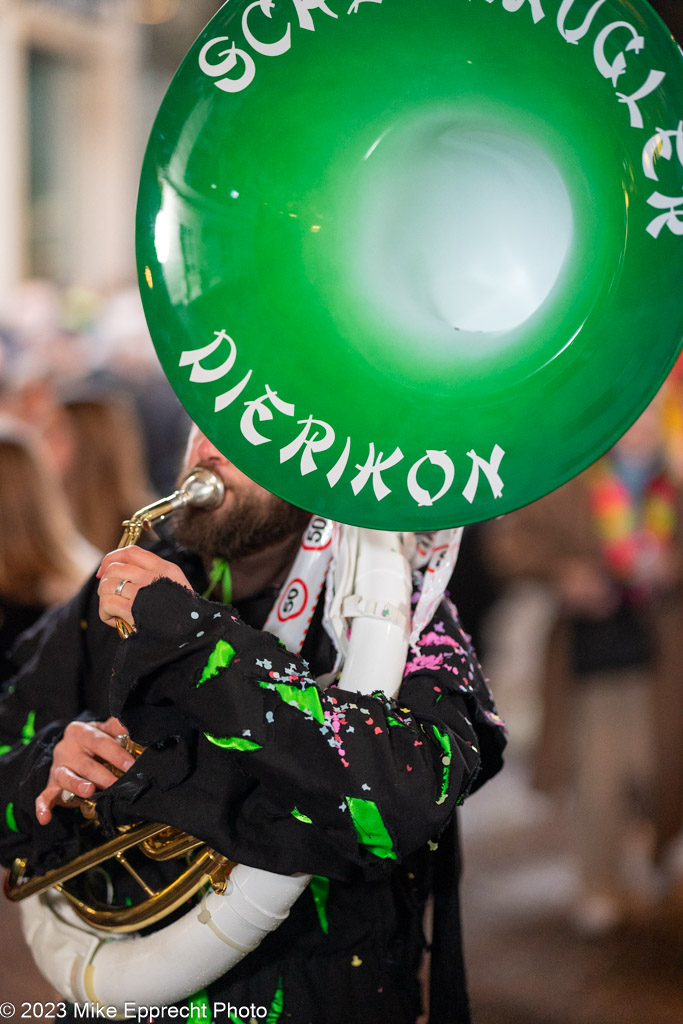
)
(38, 542)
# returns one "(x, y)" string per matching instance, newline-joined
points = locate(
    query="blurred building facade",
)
(69, 81)
(80, 82)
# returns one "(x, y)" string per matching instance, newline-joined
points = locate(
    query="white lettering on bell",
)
(201, 375)
(617, 67)
(229, 63)
(490, 470)
(653, 81)
(660, 147)
(420, 494)
(373, 468)
(315, 443)
(257, 407)
(228, 397)
(334, 475)
(267, 49)
(303, 12)
(353, 9)
(573, 35)
(672, 218)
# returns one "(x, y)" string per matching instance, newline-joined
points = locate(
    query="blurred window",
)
(54, 137)
(91, 7)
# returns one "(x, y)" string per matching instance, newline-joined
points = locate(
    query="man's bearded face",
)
(241, 529)
(249, 519)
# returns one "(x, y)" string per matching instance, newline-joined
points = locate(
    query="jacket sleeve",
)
(46, 693)
(247, 752)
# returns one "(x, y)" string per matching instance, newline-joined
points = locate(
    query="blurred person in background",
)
(96, 445)
(43, 561)
(87, 418)
(123, 356)
(473, 588)
(609, 547)
(55, 340)
(44, 347)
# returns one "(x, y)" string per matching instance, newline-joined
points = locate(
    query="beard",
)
(251, 523)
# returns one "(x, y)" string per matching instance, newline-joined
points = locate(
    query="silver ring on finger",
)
(67, 796)
(119, 587)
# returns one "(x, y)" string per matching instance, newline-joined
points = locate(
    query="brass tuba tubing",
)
(20, 887)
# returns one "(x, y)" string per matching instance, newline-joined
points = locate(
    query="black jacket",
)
(246, 752)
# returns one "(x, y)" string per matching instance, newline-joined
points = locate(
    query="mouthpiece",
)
(203, 488)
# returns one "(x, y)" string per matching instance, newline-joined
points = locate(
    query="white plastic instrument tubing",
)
(185, 956)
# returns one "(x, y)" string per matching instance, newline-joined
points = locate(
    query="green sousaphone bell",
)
(415, 265)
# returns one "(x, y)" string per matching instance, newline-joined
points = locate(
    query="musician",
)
(247, 751)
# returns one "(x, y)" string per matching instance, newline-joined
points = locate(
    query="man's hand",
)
(123, 572)
(77, 764)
